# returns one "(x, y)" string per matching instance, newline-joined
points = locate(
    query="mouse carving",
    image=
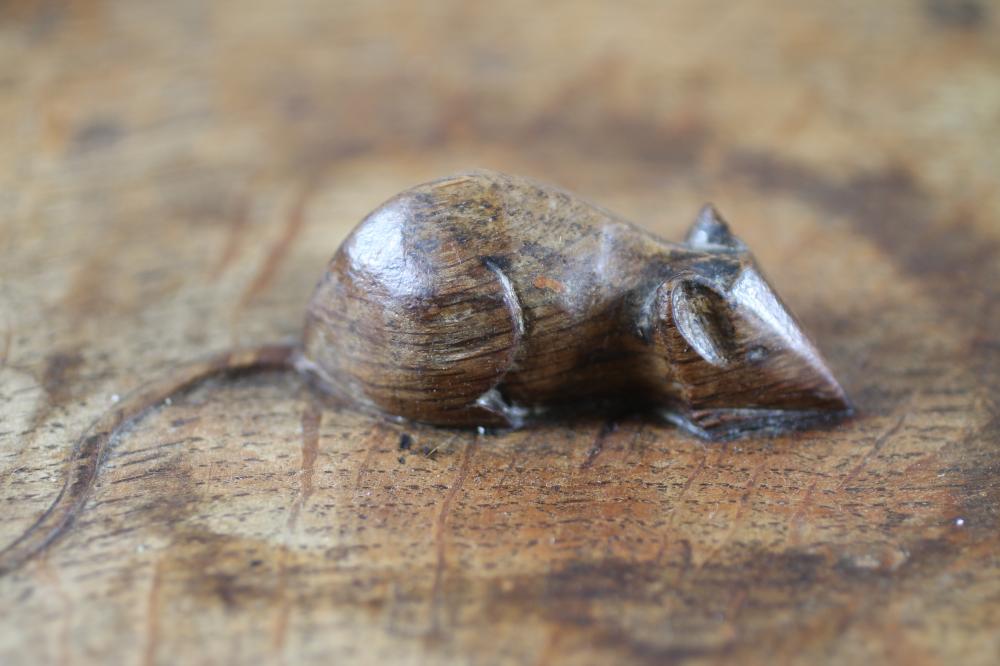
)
(491, 301)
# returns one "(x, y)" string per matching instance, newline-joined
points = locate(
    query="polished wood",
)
(173, 180)
(492, 300)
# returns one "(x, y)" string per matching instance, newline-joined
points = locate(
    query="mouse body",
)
(491, 300)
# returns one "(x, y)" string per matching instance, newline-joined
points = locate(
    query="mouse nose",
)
(822, 391)
(800, 377)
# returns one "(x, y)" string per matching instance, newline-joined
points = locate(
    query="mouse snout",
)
(794, 373)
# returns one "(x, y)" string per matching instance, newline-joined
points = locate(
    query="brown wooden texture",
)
(485, 299)
(175, 176)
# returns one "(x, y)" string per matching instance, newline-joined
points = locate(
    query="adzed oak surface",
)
(174, 177)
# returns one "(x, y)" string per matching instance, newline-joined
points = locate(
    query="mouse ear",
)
(710, 232)
(701, 317)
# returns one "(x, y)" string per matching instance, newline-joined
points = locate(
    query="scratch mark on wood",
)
(311, 418)
(636, 438)
(440, 525)
(153, 615)
(374, 441)
(502, 481)
(922, 462)
(598, 446)
(880, 442)
(234, 239)
(694, 474)
(748, 491)
(267, 270)
(798, 523)
(668, 531)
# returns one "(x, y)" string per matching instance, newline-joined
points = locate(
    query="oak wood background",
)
(174, 176)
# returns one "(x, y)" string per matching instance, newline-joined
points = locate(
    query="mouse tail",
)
(92, 448)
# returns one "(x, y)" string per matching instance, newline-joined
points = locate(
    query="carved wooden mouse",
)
(491, 300)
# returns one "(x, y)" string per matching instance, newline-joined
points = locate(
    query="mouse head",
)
(740, 361)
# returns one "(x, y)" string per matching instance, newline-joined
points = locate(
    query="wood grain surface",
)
(175, 176)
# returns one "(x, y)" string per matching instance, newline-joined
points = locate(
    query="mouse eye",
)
(757, 353)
